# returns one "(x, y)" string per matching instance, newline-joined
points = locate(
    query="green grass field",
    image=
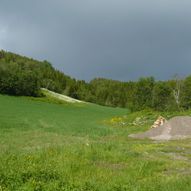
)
(58, 146)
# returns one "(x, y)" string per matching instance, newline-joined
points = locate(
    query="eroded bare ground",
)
(175, 129)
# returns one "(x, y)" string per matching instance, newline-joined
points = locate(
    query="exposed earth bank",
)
(173, 129)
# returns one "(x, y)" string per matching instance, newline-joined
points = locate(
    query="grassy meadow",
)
(51, 145)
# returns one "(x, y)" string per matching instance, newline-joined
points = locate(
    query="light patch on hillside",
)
(60, 96)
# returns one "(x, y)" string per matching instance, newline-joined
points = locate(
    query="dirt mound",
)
(175, 128)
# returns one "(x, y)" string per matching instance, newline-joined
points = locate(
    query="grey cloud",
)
(119, 39)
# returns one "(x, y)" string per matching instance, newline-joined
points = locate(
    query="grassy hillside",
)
(51, 146)
(26, 114)
(23, 76)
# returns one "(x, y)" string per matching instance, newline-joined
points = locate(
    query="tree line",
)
(24, 76)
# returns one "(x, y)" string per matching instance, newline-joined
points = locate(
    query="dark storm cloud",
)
(119, 39)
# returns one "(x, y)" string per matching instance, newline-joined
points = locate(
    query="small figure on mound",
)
(159, 122)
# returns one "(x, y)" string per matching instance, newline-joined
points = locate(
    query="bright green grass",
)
(49, 146)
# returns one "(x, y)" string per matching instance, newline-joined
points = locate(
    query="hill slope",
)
(24, 76)
(47, 146)
(27, 114)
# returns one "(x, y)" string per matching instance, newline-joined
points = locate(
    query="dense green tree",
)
(162, 96)
(143, 93)
(186, 93)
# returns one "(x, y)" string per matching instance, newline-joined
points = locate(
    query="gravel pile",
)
(175, 128)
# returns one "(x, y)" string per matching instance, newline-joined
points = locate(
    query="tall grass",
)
(49, 146)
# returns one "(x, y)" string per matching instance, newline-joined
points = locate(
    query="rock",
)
(160, 121)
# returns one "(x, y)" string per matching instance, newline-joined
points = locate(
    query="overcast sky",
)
(118, 39)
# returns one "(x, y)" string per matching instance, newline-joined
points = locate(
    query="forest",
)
(23, 76)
